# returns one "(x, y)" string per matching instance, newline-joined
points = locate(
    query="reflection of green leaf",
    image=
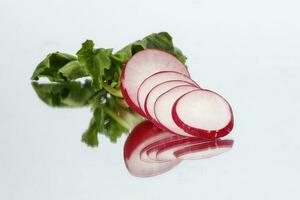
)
(67, 94)
(110, 119)
(90, 136)
(111, 116)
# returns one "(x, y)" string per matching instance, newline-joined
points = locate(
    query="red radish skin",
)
(166, 152)
(169, 137)
(163, 108)
(204, 150)
(154, 94)
(157, 78)
(142, 65)
(141, 136)
(146, 137)
(128, 100)
(211, 116)
(152, 150)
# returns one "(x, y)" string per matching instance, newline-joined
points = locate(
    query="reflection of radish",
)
(148, 151)
(167, 138)
(163, 108)
(203, 113)
(142, 65)
(166, 152)
(204, 150)
(154, 94)
(143, 135)
(156, 79)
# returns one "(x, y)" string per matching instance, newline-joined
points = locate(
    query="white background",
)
(249, 51)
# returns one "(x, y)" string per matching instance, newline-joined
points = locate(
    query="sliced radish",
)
(163, 108)
(142, 65)
(203, 113)
(156, 79)
(166, 152)
(169, 137)
(155, 93)
(141, 136)
(204, 150)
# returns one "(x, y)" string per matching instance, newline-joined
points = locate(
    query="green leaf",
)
(67, 94)
(95, 62)
(162, 41)
(72, 71)
(113, 91)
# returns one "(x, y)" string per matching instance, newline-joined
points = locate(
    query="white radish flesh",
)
(166, 152)
(142, 65)
(155, 93)
(156, 79)
(163, 108)
(165, 137)
(203, 113)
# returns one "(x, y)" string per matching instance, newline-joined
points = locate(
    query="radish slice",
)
(163, 108)
(166, 152)
(141, 136)
(140, 66)
(155, 93)
(156, 79)
(203, 113)
(169, 137)
(204, 150)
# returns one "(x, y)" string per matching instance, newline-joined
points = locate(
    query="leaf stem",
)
(116, 118)
(113, 91)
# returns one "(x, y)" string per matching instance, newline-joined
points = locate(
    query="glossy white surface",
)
(247, 51)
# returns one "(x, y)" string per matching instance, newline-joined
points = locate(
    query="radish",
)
(152, 150)
(156, 79)
(163, 108)
(203, 113)
(145, 156)
(142, 65)
(204, 150)
(166, 152)
(154, 94)
(141, 136)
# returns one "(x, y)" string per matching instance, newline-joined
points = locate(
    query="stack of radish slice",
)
(150, 151)
(157, 85)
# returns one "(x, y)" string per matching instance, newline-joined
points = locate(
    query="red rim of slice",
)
(124, 91)
(127, 98)
(214, 144)
(186, 134)
(192, 82)
(147, 113)
(209, 134)
(141, 136)
(177, 145)
(145, 151)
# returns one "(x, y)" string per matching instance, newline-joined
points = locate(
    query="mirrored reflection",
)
(149, 151)
(66, 94)
(111, 115)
